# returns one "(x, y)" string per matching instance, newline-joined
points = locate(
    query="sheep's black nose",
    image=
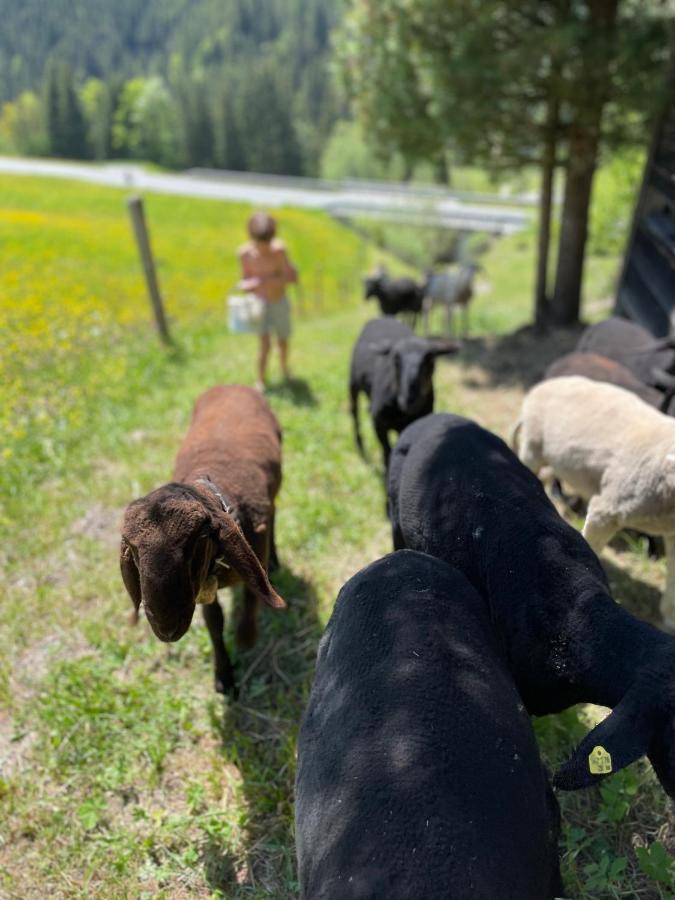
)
(171, 634)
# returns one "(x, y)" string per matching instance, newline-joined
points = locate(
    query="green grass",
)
(75, 349)
(121, 773)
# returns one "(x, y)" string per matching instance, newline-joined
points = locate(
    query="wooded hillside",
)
(181, 82)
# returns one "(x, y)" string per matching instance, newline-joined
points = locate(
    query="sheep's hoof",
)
(227, 688)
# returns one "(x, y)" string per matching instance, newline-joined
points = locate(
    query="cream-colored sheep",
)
(611, 448)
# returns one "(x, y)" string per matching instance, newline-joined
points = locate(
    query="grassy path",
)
(123, 774)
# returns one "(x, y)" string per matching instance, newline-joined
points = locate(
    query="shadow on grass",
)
(259, 734)
(297, 390)
(516, 359)
(219, 868)
(640, 599)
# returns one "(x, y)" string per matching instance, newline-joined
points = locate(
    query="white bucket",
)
(244, 312)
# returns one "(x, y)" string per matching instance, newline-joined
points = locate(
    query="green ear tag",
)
(599, 761)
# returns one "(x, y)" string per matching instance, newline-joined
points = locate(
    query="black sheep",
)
(395, 370)
(395, 295)
(651, 360)
(456, 491)
(418, 771)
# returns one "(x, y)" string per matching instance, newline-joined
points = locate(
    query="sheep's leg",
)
(449, 325)
(547, 477)
(465, 320)
(382, 433)
(600, 526)
(223, 671)
(354, 392)
(668, 599)
(247, 629)
(655, 547)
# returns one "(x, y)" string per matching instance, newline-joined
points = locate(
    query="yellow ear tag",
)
(599, 761)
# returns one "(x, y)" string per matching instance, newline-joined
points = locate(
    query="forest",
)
(240, 84)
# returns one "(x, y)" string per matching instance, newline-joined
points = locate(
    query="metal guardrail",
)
(496, 224)
(407, 204)
(411, 191)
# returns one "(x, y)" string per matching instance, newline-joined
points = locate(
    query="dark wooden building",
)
(647, 286)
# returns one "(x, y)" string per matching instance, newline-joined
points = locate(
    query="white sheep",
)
(612, 449)
(449, 290)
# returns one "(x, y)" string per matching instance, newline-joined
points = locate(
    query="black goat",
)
(395, 295)
(395, 370)
(456, 491)
(418, 771)
(651, 360)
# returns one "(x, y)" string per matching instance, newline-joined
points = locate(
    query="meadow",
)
(121, 773)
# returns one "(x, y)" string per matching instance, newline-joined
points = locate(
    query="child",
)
(266, 270)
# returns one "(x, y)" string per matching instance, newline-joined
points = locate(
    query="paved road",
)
(381, 201)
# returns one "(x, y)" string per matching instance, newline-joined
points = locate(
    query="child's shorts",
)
(276, 318)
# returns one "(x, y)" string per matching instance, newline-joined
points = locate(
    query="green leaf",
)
(656, 862)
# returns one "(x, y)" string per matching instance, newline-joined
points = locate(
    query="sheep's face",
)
(413, 361)
(170, 539)
(372, 286)
(414, 369)
(177, 550)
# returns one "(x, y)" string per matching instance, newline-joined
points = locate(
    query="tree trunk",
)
(541, 301)
(592, 91)
(442, 170)
(583, 155)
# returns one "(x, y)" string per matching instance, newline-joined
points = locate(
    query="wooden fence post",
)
(140, 227)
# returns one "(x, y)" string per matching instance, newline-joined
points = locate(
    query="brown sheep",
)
(210, 528)
(601, 368)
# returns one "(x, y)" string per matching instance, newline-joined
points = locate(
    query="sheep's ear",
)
(237, 553)
(131, 578)
(623, 737)
(380, 348)
(440, 347)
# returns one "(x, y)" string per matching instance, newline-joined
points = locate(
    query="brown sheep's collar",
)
(228, 507)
